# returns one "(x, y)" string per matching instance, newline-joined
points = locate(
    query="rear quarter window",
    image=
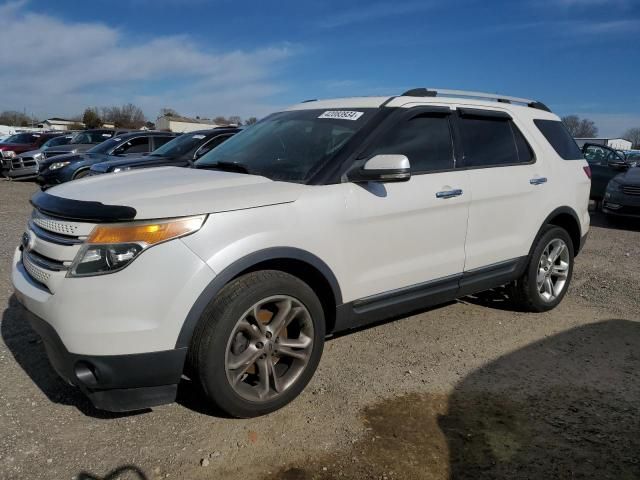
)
(560, 139)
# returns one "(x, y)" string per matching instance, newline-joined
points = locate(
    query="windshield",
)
(106, 146)
(55, 141)
(23, 138)
(289, 146)
(90, 137)
(180, 145)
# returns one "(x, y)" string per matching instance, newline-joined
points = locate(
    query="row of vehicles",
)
(62, 158)
(59, 158)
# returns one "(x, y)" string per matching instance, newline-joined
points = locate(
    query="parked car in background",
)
(179, 152)
(63, 168)
(25, 165)
(22, 142)
(321, 218)
(84, 140)
(605, 163)
(622, 196)
(632, 157)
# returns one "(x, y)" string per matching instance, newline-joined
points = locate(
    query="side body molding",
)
(246, 263)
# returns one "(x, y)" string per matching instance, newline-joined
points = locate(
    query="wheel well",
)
(571, 225)
(308, 274)
(83, 169)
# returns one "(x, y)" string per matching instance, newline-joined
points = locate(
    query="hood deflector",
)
(81, 209)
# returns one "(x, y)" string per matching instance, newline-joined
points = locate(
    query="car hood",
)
(15, 146)
(30, 153)
(630, 177)
(166, 192)
(112, 162)
(77, 147)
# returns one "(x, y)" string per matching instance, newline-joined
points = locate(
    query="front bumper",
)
(116, 383)
(621, 205)
(22, 173)
(114, 336)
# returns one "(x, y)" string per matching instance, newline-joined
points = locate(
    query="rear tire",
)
(258, 343)
(546, 280)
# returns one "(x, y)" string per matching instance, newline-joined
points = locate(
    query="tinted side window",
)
(560, 139)
(424, 139)
(597, 155)
(211, 144)
(488, 141)
(159, 141)
(135, 145)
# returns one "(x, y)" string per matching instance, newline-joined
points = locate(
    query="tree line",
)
(586, 128)
(219, 120)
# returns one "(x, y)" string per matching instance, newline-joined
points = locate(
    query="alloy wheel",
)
(269, 348)
(553, 270)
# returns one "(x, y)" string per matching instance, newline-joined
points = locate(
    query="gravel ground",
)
(469, 390)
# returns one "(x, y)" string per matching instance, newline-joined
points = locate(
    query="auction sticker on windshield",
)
(342, 114)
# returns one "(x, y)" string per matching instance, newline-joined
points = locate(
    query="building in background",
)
(58, 124)
(183, 124)
(615, 143)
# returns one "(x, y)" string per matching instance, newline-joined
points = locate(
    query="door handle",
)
(449, 193)
(538, 181)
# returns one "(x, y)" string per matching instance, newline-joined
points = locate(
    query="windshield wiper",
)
(227, 167)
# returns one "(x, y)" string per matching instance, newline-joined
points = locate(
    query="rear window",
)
(560, 139)
(492, 141)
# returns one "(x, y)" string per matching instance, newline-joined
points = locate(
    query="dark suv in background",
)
(22, 142)
(615, 180)
(25, 165)
(179, 152)
(63, 168)
(84, 140)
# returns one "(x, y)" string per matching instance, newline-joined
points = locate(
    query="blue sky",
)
(226, 57)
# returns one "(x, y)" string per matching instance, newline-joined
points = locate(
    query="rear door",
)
(508, 185)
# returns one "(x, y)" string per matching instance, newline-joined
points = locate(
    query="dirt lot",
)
(470, 390)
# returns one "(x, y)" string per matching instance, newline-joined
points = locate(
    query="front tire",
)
(548, 275)
(258, 343)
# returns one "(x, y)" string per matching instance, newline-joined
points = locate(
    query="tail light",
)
(587, 171)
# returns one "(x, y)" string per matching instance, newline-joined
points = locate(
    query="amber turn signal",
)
(148, 233)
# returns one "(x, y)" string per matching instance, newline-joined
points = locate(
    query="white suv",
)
(321, 218)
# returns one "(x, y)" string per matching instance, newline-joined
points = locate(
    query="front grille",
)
(631, 189)
(57, 226)
(37, 273)
(50, 246)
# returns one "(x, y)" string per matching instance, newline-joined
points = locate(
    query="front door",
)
(409, 233)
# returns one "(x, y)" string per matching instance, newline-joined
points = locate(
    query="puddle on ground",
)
(557, 433)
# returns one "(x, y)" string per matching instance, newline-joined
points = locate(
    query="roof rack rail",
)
(439, 92)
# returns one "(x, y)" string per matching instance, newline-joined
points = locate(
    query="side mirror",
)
(382, 168)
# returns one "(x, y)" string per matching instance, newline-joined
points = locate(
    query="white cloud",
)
(55, 67)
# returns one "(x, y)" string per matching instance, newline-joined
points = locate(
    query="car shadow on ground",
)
(563, 407)
(599, 219)
(26, 347)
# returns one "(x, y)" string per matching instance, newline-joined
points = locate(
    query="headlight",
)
(111, 247)
(58, 165)
(121, 169)
(613, 186)
(38, 156)
(8, 153)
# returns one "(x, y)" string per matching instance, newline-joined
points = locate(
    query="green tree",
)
(91, 118)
